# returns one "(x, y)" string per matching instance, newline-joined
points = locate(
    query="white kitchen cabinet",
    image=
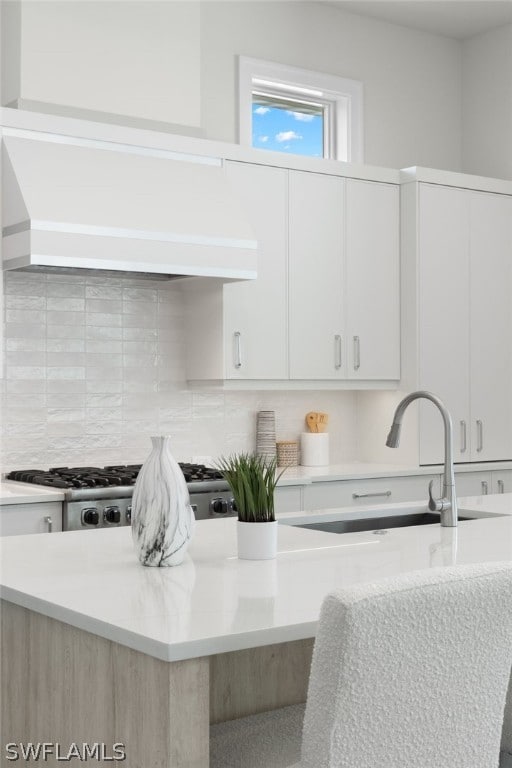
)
(325, 305)
(239, 330)
(373, 281)
(491, 326)
(483, 483)
(501, 481)
(255, 316)
(458, 312)
(369, 491)
(42, 517)
(288, 498)
(344, 279)
(316, 276)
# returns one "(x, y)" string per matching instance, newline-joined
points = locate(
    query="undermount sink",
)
(377, 523)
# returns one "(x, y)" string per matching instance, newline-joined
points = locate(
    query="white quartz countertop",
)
(25, 493)
(362, 470)
(214, 602)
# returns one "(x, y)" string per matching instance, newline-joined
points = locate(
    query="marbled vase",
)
(162, 518)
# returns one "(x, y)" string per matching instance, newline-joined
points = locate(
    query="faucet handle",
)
(435, 505)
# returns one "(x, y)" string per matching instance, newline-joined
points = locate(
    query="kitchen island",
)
(97, 648)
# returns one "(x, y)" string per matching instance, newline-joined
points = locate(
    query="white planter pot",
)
(257, 541)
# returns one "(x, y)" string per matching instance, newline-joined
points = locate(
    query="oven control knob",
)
(112, 515)
(90, 516)
(128, 514)
(218, 507)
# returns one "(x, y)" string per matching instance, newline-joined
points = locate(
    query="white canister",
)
(314, 449)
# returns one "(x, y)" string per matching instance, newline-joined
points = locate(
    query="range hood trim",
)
(40, 248)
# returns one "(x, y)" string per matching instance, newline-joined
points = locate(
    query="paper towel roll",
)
(314, 447)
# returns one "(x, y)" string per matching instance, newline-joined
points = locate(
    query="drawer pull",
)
(337, 352)
(49, 523)
(479, 435)
(238, 349)
(501, 486)
(368, 495)
(463, 437)
(357, 353)
(485, 487)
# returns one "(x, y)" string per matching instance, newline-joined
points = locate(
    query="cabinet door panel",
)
(473, 483)
(491, 326)
(256, 309)
(17, 519)
(502, 481)
(372, 277)
(316, 288)
(444, 333)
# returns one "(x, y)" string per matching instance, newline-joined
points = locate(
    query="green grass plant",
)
(252, 480)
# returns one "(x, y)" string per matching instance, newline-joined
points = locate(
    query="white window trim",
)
(345, 94)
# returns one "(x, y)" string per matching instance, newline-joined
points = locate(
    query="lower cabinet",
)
(482, 483)
(289, 498)
(380, 490)
(43, 517)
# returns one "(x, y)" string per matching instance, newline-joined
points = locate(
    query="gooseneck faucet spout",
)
(447, 504)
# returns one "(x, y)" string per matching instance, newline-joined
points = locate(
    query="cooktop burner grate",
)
(103, 477)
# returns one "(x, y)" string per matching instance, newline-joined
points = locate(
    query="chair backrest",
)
(412, 672)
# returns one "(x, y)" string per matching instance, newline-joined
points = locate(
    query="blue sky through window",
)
(284, 130)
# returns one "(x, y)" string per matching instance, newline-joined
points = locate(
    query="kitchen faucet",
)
(447, 504)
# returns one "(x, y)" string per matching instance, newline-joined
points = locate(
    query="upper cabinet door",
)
(444, 333)
(373, 280)
(491, 326)
(316, 279)
(255, 311)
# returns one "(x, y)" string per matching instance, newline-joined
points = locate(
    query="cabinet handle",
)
(238, 349)
(357, 495)
(337, 352)
(463, 437)
(479, 435)
(485, 487)
(357, 353)
(501, 486)
(49, 523)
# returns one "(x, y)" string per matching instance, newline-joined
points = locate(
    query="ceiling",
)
(453, 18)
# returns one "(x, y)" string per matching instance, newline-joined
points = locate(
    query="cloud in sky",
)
(287, 136)
(263, 138)
(261, 110)
(303, 117)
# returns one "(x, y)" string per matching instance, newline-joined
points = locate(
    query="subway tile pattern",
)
(94, 366)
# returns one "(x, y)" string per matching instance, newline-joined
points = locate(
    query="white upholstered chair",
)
(409, 672)
(506, 736)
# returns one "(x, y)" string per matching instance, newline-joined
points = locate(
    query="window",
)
(291, 110)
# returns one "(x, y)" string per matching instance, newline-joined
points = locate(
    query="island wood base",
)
(61, 684)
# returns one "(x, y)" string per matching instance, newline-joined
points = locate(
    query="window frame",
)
(343, 129)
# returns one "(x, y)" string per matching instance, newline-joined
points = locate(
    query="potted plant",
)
(252, 480)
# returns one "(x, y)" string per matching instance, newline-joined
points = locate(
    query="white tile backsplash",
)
(95, 366)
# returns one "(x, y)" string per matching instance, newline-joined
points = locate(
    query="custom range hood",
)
(73, 204)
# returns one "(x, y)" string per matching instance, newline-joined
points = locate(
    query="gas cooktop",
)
(103, 477)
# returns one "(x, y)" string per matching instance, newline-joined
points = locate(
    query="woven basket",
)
(287, 453)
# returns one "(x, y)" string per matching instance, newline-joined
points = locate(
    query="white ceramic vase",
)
(257, 541)
(162, 518)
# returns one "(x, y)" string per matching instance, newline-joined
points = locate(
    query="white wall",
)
(131, 59)
(175, 63)
(412, 80)
(95, 366)
(487, 104)
(10, 37)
